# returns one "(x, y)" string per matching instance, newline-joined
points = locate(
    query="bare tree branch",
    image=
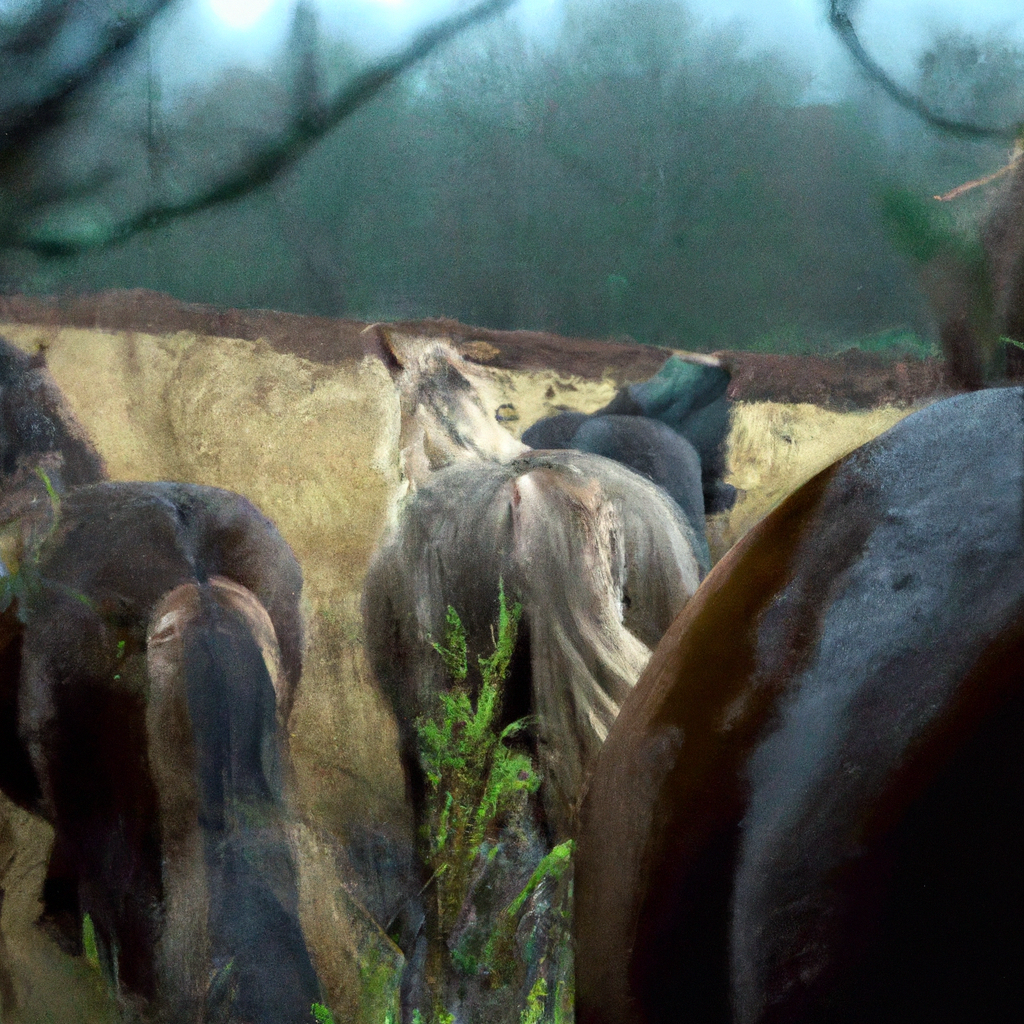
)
(843, 27)
(309, 125)
(968, 186)
(45, 65)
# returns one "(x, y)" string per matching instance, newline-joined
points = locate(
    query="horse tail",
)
(583, 661)
(231, 945)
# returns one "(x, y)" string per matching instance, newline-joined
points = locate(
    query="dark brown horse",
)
(148, 665)
(811, 807)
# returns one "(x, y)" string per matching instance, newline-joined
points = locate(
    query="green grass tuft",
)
(92, 953)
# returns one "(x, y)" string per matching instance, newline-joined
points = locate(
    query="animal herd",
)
(794, 779)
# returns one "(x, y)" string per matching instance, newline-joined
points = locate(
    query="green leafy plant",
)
(534, 1012)
(548, 942)
(24, 582)
(478, 788)
(89, 946)
(475, 780)
(321, 1014)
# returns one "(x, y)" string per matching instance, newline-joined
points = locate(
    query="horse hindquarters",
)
(809, 808)
(659, 454)
(231, 943)
(568, 560)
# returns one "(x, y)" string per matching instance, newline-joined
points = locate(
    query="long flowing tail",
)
(232, 947)
(583, 660)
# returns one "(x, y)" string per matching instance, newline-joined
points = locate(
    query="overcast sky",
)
(204, 34)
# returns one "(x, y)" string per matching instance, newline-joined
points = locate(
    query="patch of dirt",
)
(850, 380)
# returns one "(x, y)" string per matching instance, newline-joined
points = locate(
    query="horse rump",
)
(159, 657)
(672, 429)
(810, 807)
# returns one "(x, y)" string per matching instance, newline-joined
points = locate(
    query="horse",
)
(485, 506)
(809, 809)
(600, 558)
(659, 428)
(148, 664)
(157, 663)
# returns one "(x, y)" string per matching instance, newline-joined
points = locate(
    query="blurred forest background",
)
(636, 174)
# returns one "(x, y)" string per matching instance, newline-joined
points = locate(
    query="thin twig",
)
(305, 131)
(968, 185)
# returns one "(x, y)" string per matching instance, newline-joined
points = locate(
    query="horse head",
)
(445, 404)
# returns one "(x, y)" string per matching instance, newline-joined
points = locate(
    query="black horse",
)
(811, 807)
(671, 429)
(147, 667)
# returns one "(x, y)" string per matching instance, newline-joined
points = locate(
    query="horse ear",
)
(378, 343)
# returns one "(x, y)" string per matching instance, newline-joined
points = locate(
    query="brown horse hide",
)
(982, 307)
(161, 649)
(811, 806)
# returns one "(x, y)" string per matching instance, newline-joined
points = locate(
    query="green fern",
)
(477, 785)
(475, 780)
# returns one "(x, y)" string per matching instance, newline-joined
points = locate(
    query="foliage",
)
(534, 1011)
(476, 783)
(322, 1014)
(925, 231)
(89, 946)
(475, 779)
(24, 583)
(635, 175)
(379, 989)
(554, 865)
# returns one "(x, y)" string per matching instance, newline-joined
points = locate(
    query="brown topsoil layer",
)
(850, 380)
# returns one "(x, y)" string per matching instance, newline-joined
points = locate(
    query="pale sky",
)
(203, 35)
